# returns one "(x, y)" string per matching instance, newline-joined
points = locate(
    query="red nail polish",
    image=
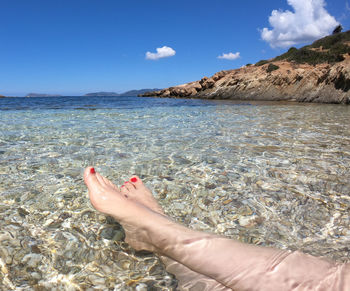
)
(133, 179)
(92, 171)
(123, 186)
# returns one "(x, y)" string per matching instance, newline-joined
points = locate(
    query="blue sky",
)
(79, 46)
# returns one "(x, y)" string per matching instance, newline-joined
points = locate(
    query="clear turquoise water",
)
(272, 174)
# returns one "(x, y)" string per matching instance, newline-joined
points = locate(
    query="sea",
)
(267, 173)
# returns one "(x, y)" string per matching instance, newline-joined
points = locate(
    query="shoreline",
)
(323, 83)
(317, 73)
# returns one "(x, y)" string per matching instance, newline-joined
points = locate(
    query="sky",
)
(74, 47)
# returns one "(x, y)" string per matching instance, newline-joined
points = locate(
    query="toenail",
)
(133, 180)
(126, 182)
(123, 186)
(92, 171)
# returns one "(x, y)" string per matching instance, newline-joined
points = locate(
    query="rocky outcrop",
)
(287, 81)
(2, 96)
(319, 72)
(192, 89)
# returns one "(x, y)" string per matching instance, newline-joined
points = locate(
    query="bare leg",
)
(107, 198)
(188, 280)
(233, 264)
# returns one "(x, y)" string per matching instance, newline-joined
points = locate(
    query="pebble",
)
(126, 265)
(3, 268)
(35, 275)
(96, 280)
(227, 201)
(5, 236)
(267, 186)
(221, 228)
(245, 210)
(32, 260)
(248, 221)
(178, 206)
(48, 222)
(228, 193)
(141, 287)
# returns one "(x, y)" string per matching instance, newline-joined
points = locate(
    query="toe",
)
(102, 196)
(136, 181)
(129, 186)
(105, 180)
(101, 179)
(109, 183)
(91, 180)
(124, 190)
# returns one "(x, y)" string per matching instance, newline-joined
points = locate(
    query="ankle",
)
(164, 234)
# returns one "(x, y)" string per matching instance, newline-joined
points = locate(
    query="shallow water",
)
(272, 174)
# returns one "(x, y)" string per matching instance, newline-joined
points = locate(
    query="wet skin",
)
(214, 261)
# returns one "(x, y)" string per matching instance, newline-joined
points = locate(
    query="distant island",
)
(318, 73)
(2, 96)
(42, 95)
(130, 93)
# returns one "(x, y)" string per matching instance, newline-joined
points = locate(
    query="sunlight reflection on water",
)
(264, 173)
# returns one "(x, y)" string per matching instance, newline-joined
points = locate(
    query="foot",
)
(133, 205)
(133, 214)
(135, 190)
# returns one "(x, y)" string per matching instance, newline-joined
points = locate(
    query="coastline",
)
(316, 73)
(322, 83)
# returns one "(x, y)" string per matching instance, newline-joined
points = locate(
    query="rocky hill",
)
(316, 73)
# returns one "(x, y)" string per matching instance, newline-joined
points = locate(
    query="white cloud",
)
(162, 52)
(309, 21)
(230, 56)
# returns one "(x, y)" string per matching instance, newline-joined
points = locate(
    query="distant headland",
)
(319, 73)
(127, 93)
(130, 93)
(42, 95)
